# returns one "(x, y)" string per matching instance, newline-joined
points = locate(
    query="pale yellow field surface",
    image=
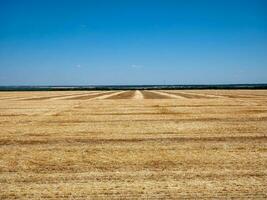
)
(177, 144)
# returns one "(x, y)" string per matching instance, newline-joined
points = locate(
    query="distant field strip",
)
(170, 95)
(242, 96)
(128, 95)
(76, 95)
(124, 95)
(88, 96)
(31, 96)
(51, 97)
(109, 95)
(154, 95)
(138, 95)
(8, 98)
(189, 95)
(225, 94)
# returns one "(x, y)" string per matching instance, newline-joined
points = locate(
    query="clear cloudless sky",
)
(84, 42)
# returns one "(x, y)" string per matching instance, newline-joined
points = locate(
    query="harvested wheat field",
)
(177, 144)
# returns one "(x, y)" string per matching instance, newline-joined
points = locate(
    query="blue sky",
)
(63, 42)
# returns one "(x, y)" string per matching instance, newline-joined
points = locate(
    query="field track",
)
(167, 144)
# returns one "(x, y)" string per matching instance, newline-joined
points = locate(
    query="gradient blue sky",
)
(63, 42)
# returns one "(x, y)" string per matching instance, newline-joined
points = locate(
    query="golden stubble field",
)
(133, 144)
